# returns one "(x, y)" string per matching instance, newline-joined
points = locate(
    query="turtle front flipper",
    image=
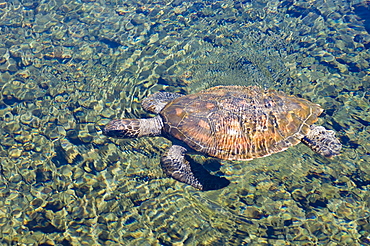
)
(176, 166)
(132, 128)
(322, 141)
(157, 101)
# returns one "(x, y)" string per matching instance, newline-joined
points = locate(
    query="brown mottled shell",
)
(239, 123)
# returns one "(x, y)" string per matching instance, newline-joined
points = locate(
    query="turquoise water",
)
(68, 68)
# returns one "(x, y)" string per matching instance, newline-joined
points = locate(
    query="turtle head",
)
(125, 128)
(133, 128)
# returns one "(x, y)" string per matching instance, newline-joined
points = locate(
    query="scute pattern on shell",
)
(239, 123)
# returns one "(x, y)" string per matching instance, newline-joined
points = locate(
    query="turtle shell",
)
(239, 123)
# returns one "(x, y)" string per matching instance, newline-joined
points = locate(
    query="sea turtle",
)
(227, 122)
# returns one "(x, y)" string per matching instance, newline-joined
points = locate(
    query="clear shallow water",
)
(66, 69)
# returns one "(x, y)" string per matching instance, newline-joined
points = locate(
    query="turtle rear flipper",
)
(176, 166)
(322, 141)
(132, 128)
